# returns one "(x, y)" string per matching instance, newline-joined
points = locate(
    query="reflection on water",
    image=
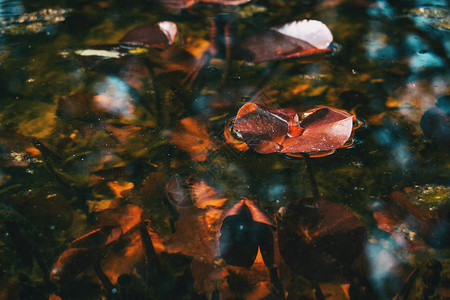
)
(121, 169)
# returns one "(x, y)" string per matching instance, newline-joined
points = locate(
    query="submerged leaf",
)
(116, 245)
(193, 137)
(319, 239)
(244, 229)
(44, 207)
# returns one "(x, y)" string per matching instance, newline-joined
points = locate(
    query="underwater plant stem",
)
(407, 285)
(152, 263)
(312, 180)
(158, 99)
(277, 285)
(317, 291)
(102, 276)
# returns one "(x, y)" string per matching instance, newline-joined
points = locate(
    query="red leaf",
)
(262, 128)
(325, 129)
(278, 130)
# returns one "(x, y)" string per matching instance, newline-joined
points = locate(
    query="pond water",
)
(117, 180)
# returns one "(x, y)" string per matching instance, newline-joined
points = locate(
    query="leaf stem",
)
(312, 180)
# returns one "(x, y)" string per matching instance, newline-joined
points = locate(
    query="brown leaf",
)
(305, 38)
(193, 137)
(44, 207)
(160, 35)
(126, 217)
(319, 239)
(204, 196)
(279, 130)
(325, 129)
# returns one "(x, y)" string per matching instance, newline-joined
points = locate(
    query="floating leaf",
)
(303, 38)
(160, 35)
(179, 4)
(325, 129)
(262, 129)
(319, 239)
(279, 130)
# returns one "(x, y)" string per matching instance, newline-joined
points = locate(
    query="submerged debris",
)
(33, 22)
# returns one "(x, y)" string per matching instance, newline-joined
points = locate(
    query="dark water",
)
(72, 125)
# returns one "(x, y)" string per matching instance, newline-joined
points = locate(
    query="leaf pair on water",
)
(264, 130)
(323, 129)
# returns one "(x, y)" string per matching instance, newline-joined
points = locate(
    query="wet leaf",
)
(192, 136)
(244, 229)
(160, 35)
(44, 207)
(126, 217)
(318, 239)
(71, 263)
(179, 4)
(305, 38)
(123, 260)
(120, 187)
(119, 227)
(325, 129)
(204, 196)
(196, 235)
(279, 130)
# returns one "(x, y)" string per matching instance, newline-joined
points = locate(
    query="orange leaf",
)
(193, 137)
(119, 187)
